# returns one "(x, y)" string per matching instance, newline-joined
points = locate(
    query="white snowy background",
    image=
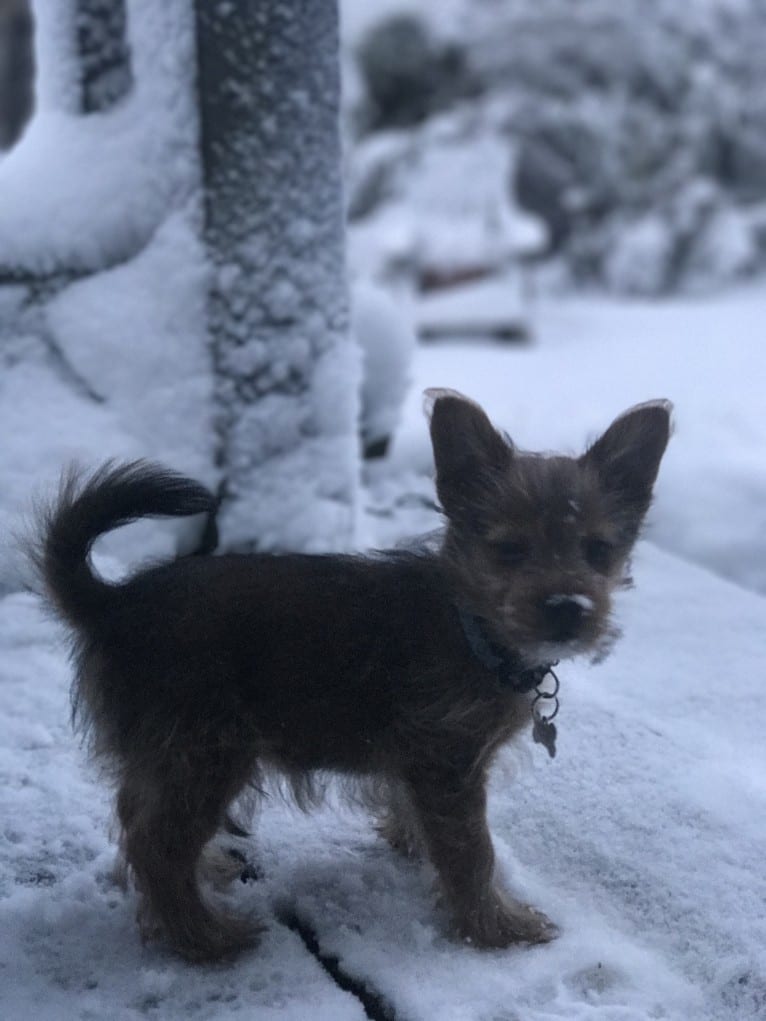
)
(644, 839)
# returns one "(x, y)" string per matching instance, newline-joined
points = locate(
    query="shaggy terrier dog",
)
(405, 671)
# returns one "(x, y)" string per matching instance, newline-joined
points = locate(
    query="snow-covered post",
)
(286, 373)
(15, 69)
(104, 55)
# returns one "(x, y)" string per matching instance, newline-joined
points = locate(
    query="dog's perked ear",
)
(469, 453)
(627, 457)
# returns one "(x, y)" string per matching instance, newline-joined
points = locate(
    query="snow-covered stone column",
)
(287, 374)
(104, 55)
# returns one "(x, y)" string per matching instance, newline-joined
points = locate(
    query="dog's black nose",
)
(564, 616)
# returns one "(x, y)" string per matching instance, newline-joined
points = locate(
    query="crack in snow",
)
(375, 1007)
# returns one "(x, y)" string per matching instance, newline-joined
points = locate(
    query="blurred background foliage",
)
(638, 128)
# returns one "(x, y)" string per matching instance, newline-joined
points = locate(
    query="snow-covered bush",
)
(616, 113)
(408, 73)
(434, 204)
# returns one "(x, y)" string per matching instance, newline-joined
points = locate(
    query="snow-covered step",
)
(490, 309)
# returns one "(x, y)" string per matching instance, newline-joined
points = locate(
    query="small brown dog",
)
(406, 671)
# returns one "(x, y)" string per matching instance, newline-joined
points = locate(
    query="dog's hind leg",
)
(167, 820)
(399, 824)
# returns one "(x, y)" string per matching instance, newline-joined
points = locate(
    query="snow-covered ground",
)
(643, 839)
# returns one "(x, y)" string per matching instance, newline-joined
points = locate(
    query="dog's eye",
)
(598, 553)
(511, 551)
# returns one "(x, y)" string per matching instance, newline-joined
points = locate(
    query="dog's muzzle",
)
(565, 616)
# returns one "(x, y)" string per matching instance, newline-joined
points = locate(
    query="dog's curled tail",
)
(88, 506)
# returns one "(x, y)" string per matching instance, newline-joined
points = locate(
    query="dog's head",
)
(537, 543)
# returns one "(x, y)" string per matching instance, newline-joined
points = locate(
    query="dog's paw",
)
(220, 865)
(223, 938)
(502, 922)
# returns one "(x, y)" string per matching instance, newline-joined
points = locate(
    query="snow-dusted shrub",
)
(695, 240)
(625, 109)
(408, 73)
(725, 249)
(437, 203)
(617, 111)
(641, 257)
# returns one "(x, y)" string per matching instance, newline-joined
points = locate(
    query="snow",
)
(298, 497)
(641, 257)
(288, 446)
(137, 381)
(495, 303)
(116, 173)
(115, 363)
(430, 223)
(617, 114)
(384, 333)
(113, 342)
(661, 909)
(56, 73)
(596, 357)
(727, 250)
(643, 838)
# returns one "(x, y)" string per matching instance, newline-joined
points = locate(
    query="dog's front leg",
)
(452, 813)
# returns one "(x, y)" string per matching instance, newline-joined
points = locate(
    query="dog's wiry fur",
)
(196, 677)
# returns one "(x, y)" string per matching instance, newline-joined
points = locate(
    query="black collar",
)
(506, 664)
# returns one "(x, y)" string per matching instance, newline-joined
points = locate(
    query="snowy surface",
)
(644, 837)
(132, 378)
(116, 173)
(142, 348)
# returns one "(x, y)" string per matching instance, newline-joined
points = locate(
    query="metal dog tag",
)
(544, 733)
